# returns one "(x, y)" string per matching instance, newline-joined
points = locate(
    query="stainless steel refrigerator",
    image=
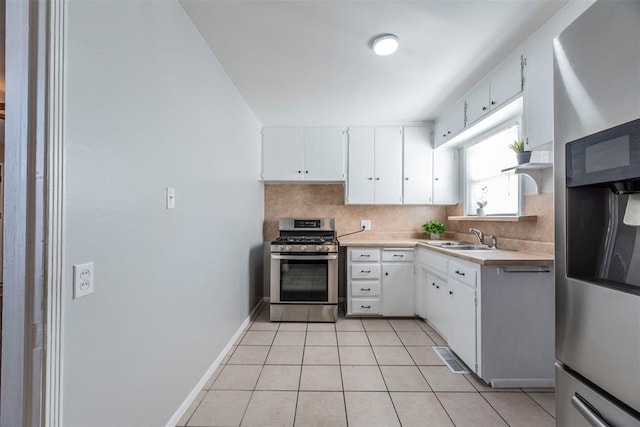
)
(597, 211)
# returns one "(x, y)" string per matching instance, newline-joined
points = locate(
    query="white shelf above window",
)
(532, 170)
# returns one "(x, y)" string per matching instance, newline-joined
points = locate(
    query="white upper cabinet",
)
(297, 154)
(440, 131)
(324, 154)
(375, 165)
(456, 119)
(388, 165)
(445, 177)
(418, 166)
(478, 101)
(538, 93)
(360, 183)
(282, 154)
(506, 80)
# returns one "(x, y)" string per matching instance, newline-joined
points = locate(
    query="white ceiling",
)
(310, 61)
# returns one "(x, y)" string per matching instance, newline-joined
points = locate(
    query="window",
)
(486, 184)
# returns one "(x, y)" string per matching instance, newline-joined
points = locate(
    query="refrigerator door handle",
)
(587, 411)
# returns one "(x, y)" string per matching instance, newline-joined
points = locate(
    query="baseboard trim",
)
(186, 404)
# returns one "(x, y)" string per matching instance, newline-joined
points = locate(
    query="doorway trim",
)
(31, 389)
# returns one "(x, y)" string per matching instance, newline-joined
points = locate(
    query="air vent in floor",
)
(456, 366)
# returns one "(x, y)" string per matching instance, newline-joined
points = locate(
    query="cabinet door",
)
(418, 167)
(420, 291)
(397, 289)
(437, 304)
(388, 165)
(506, 81)
(462, 331)
(478, 102)
(445, 177)
(360, 183)
(456, 118)
(440, 131)
(538, 93)
(323, 154)
(282, 154)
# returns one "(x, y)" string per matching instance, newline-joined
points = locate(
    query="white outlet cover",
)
(83, 280)
(366, 224)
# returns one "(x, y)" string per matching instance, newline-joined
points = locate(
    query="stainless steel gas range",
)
(304, 271)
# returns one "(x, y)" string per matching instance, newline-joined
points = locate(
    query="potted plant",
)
(480, 210)
(435, 228)
(518, 147)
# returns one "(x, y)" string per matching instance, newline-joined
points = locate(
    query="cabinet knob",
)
(437, 179)
(306, 171)
(444, 135)
(433, 284)
(370, 179)
(437, 287)
(450, 292)
(377, 179)
(448, 131)
(299, 171)
(484, 108)
(386, 274)
(493, 102)
(406, 179)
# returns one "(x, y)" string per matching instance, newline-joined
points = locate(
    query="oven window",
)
(302, 280)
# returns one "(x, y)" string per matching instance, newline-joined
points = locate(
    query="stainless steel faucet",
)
(479, 234)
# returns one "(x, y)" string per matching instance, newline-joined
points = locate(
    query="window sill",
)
(496, 218)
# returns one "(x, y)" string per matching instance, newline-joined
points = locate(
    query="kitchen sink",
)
(471, 248)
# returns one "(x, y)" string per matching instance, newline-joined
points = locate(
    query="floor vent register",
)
(456, 366)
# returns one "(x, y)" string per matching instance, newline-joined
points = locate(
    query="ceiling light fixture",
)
(385, 44)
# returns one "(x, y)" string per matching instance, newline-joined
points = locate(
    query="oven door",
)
(304, 279)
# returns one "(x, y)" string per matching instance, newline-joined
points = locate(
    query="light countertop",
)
(496, 257)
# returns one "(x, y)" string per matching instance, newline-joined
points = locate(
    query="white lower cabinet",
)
(380, 281)
(498, 320)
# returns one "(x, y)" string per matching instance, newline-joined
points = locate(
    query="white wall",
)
(149, 106)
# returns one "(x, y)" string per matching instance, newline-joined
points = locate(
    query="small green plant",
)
(517, 146)
(482, 204)
(434, 227)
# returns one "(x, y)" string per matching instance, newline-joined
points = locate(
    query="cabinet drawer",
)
(365, 271)
(462, 273)
(365, 255)
(435, 262)
(397, 255)
(365, 289)
(365, 306)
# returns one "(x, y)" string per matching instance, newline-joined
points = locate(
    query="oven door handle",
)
(307, 257)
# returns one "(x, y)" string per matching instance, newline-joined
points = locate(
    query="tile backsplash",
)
(403, 221)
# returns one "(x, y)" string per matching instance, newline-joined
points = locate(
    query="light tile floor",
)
(356, 372)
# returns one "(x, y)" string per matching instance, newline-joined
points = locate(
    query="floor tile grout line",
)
(444, 408)
(496, 410)
(537, 403)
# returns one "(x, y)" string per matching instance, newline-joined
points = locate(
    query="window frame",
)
(500, 127)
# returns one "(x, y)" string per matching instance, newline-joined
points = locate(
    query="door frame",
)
(31, 389)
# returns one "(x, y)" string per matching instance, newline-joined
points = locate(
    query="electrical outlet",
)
(82, 280)
(365, 223)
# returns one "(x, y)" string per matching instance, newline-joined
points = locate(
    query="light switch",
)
(171, 198)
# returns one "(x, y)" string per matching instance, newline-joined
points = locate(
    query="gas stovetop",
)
(306, 236)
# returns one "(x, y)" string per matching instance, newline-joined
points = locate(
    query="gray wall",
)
(149, 106)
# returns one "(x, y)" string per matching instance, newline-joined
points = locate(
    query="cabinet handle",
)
(460, 273)
(398, 255)
(370, 179)
(365, 306)
(365, 255)
(365, 289)
(365, 271)
(450, 292)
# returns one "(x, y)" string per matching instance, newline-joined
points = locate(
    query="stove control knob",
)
(280, 248)
(303, 248)
(318, 248)
(288, 248)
